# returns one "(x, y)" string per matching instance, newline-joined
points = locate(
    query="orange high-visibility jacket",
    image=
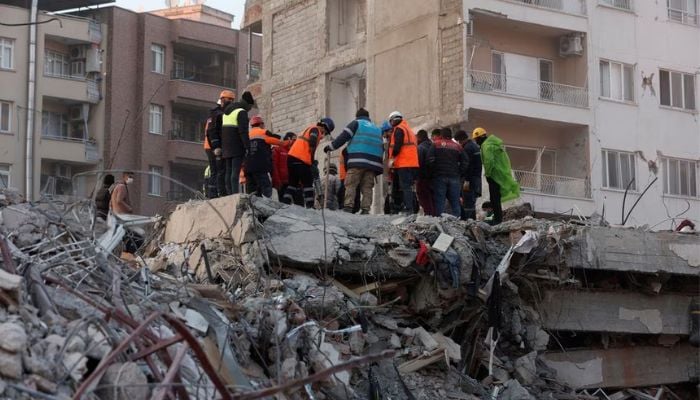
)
(303, 147)
(408, 154)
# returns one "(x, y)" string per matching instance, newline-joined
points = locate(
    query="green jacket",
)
(497, 167)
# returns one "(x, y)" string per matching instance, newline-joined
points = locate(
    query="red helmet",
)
(256, 120)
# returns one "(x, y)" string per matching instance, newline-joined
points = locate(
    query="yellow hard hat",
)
(478, 132)
(227, 94)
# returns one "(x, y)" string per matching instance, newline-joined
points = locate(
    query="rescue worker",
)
(364, 160)
(300, 163)
(280, 173)
(332, 202)
(502, 186)
(403, 159)
(258, 164)
(212, 146)
(424, 185)
(234, 139)
(471, 189)
(448, 164)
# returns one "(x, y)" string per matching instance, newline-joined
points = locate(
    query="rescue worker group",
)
(438, 174)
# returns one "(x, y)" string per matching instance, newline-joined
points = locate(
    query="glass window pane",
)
(629, 83)
(625, 171)
(4, 117)
(665, 88)
(673, 172)
(605, 169)
(613, 177)
(683, 169)
(605, 79)
(693, 179)
(689, 91)
(616, 81)
(676, 89)
(664, 168)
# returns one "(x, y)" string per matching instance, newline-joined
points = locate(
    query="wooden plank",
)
(628, 367)
(423, 361)
(624, 312)
(635, 250)
(348, 292)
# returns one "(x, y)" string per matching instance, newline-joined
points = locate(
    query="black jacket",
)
(446, 158)
(259, 158)
(213, 127)
(473, 151)
(423, 152)
(234, 139)
(102, 201)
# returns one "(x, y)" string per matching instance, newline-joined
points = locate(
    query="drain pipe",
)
(31, 105)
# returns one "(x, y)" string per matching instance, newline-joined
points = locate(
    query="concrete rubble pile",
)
(242, 297)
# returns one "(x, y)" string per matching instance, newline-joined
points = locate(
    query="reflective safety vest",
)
(231, 119)
(301, 149)
(408, 155)
(366, 148)
(207, 146)
(341, 167)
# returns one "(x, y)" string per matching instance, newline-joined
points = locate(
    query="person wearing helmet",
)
(280, 173)
(448, 165)
(365, 159)
(258, 164)
(471, 189)
(300, 163)
(403, 160)
(424, 181)
(235, 142)
(502, 186)
(212, 146)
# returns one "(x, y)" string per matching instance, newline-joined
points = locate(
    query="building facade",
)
(52, 130)
(593, 98)
(165, 71)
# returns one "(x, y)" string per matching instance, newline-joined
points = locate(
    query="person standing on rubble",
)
(280, 173)
(212, 146)
(235, 142)
(499, 175)
(403, 159)
(471, 189)
(258, 165)
(448, 164)
(424, 184)
(119, 204)
(332, 202)
(300, 163)
(103, 196)
(365, 159)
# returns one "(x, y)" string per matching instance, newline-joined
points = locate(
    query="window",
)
(680, 177)
(5, 116)
(7, 52)
(498, 67)
(154, 180)
(546, 88)
(619, 170)
(677, 89)
(155, 120)
(158, 56)
(56, 64)
(622, 4)
(77, 69)
(616, 81)
(179, 67)
(683, 11)
(4, 176)
(54, 124)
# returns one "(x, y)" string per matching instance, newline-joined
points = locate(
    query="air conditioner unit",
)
(77, 113)
(570, 45)
(78, 52)
(214, 60)
(469, 26)
(62, 171)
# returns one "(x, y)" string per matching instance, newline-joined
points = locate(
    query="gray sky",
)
(234, 7)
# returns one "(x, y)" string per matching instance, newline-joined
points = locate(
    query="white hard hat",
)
(395, 114)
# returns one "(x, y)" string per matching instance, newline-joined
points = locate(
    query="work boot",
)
(348, 210)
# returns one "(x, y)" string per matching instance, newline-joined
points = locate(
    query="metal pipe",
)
(31, 103)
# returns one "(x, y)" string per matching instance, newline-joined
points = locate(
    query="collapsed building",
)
(246, 298)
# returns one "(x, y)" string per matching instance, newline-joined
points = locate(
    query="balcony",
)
(252, 18)
(70, 149)
(683, 16)
(620, 4)
(567, 6)
(193, 75)
(553, 185)
(506, 85)
(559, 14)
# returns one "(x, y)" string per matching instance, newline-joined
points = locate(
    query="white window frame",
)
(618, 169)
(155, 119)
(683, 75)
(52, 59)
(691, 178)
(154, 180)
(8, 123)
(49, 118)
(158, 58)
(5, 176)
(623, 88)
(684, 15)
(7, 45)
(625, 5)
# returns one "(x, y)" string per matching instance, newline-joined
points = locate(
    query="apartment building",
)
(52, 128)
(594, 99)
(165, 70)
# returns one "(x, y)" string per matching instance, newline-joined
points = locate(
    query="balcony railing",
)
(200, 77)
(570, 6)
(683, 16)
(488, 82)
(186, 135)
(562, 186)
(621, 4)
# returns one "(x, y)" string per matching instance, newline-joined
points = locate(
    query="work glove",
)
(328, 148)
(217, 152)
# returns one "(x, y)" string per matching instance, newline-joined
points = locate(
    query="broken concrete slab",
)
(526, 368)
(624, 312)
(194, 221)
(13, 338)
(626, 367)
(514, 391)
(124, 382)
(10, 364)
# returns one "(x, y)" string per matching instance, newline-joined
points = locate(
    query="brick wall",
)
(294, 108)
(451, 62)
(295, 36)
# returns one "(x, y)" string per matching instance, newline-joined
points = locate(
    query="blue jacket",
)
(473, 151)
(366, 148)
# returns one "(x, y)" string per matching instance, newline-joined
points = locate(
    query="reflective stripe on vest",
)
(231, 119)
(367, 139)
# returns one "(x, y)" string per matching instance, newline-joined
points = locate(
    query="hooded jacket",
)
(497, 167)
(234, 134)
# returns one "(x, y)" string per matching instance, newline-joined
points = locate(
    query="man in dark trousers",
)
(259, 162)
(235, 142)
(212, 146)
(448, 164)
(471, 189)
(424, 183)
